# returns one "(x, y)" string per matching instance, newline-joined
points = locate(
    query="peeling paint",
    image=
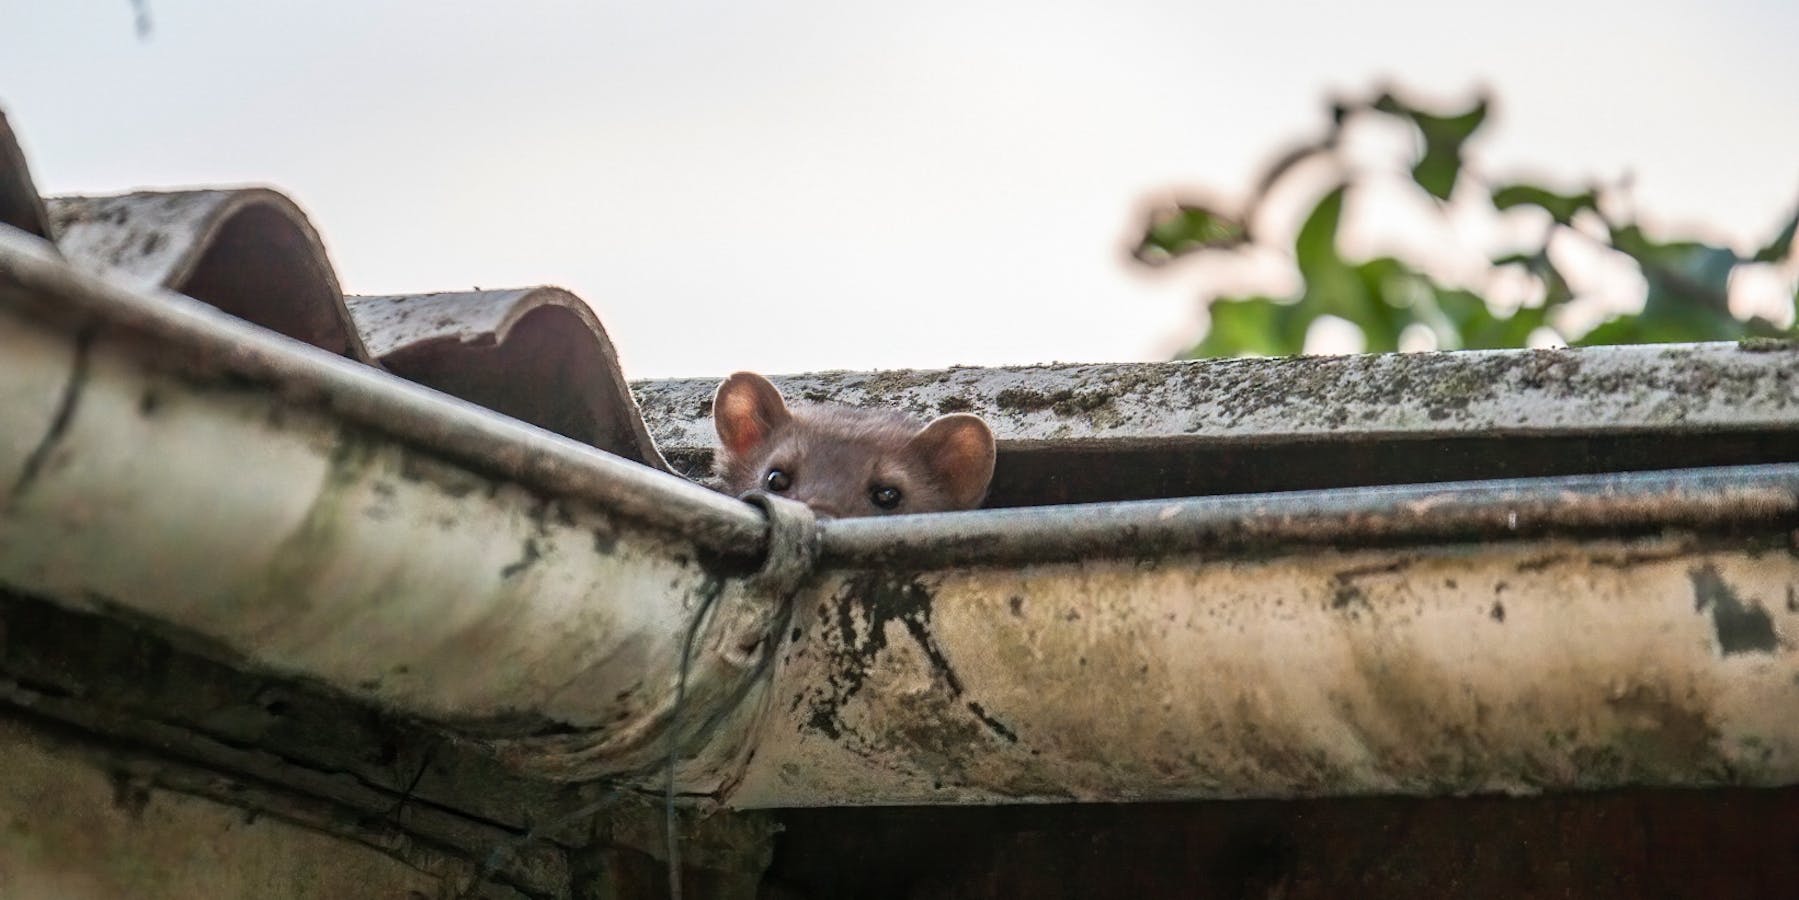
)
(59, 419)
(1514, 668)
(531, 556)
(1740, 627)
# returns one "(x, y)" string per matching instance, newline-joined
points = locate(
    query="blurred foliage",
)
(1686, 279)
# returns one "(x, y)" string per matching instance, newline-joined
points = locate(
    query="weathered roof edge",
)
(1665, 388)
(441, 340)
(249, 251)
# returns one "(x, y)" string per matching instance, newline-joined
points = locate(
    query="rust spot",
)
(1741, 627)
(1348, 598)
(1658, 735)
(878, 600)
(531, 555)
(1386, 568)
(995, 725)
(1767, 344)
(1541, 563)
(1063, 402)
(129, 795)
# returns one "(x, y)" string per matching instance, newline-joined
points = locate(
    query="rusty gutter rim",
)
(1453, 512)
(438, 423)
(478, 437)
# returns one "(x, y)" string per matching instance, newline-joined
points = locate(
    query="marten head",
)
(844, 461)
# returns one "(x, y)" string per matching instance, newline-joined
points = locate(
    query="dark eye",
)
(884, 497)
(777, 480)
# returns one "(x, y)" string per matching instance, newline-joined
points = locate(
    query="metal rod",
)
(1365, 516)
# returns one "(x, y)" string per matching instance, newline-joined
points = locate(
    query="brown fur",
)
(836, 456)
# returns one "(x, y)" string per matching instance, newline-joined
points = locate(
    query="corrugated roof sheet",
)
(249, 252)
(20, 205)
(536, 354)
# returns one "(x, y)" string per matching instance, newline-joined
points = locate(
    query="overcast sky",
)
(791, 186)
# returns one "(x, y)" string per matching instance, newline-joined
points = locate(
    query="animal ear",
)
(958, 450)
(745, 410)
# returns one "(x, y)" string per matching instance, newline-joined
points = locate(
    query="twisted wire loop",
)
(792, 552)
(792, 543)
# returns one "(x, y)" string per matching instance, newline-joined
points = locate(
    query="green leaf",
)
(1555, 288)
(1511, 332)
(1647, 329)
(1466, 322)
(1332, 286)
(1561, 207)
(1616, 330)
(1781, 246)
(1686, 299)
(1254, 325)
(1187, 228)
(1315, 247)
(1386, 303)
(1688, 280)
(1438, 166)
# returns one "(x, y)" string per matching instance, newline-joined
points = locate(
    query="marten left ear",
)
(958, 450)
(745, 410)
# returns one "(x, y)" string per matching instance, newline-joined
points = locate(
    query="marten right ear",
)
(746, 409)
(958, 450)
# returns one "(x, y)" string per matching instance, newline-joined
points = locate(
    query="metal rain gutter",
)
(323, 519)
(279, 505)
(1551, 634)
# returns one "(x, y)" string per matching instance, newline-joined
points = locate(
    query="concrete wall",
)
(79, 825)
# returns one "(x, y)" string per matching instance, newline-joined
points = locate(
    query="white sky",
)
(791, 186)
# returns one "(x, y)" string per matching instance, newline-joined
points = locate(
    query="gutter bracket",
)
(792, 542)
(747, 633)
(790, 561)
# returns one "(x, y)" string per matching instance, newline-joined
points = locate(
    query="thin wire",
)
(497, 856)
(669, 830)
